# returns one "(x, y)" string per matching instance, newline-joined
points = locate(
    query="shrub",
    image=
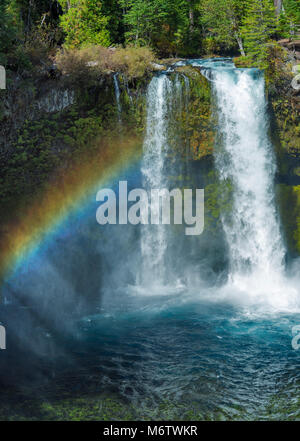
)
(83, 65)
(91, 62)
(133, 62)
(40, 44)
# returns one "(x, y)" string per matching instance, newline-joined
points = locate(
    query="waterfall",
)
(245, 162)
(117, 93)
(153, 240)
(178, 92)
(246, 166)
(186, 91)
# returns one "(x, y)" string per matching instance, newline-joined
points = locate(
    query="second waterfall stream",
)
(245, 163)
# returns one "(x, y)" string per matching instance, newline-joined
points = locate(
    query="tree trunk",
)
(28, 22)
(240, 43)
(137, 33)
(278, 7)
(191, 16)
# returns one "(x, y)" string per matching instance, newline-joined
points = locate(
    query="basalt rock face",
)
(28, 100)
(284, 106)
(44, 122)
(196, 120)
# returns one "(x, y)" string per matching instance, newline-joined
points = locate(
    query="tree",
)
(143, 18)
(259, 25)
(113, 11)
(191, 5)
(290, 16)
(84, 23)
(10, 29)
(222, 20)
(36, 12)
(162, 24)
(292, 9)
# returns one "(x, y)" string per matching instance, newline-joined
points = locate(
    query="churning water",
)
(117, 95)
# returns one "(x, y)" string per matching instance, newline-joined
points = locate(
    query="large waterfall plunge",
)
(246, 164)
(246, 159)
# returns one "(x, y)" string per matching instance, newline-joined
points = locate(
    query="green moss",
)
(218, 201)
(110, 408)
(193, 120)
(45, 145)
(289, 200)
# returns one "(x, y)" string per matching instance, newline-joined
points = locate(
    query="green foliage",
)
(133, 62)
(170, 27)
(162, 24)
(84, 23)
(258, 26)
(289, 19)
(115, 25)
(142, 19)
(28, 31)
(35, 12)
(9, 30)
(292, 13)
(222, 21)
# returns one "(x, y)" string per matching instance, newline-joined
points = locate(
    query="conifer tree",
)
(259, 25)
(10, 29)
(84, 23)
(222, 19)
(147, 20)
(290, 17)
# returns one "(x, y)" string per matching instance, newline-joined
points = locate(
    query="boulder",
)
(92, 63)
(294, 44)
(296, 82)
(158, 67)
(284, 41)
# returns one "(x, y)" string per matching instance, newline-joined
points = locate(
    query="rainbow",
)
(65, 194)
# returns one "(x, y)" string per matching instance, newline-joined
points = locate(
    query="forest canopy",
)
(31, 30)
